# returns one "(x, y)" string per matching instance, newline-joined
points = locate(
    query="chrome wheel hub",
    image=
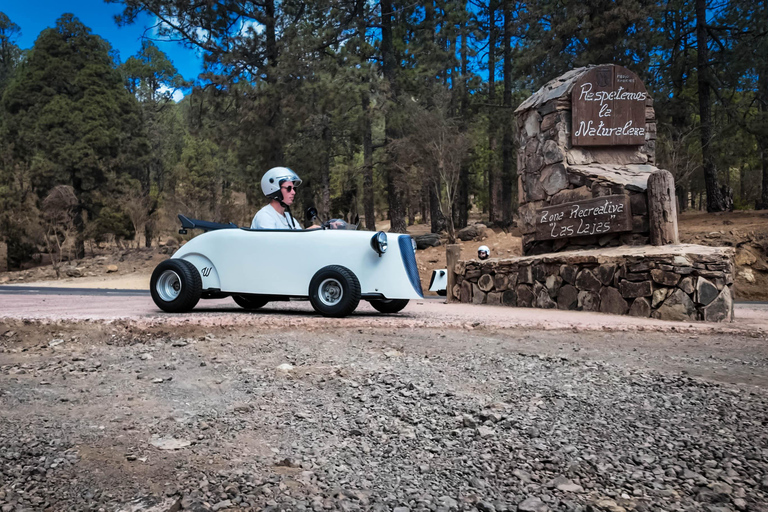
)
(330, 292)
(168, 286)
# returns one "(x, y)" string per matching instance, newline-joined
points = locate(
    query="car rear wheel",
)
(176, 286)
(250, 302)
(334, 291)
(389, 306)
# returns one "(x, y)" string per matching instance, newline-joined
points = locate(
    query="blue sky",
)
(35, 15)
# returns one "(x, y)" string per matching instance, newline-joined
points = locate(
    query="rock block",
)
(605, 273)
(553, 284)
(471, 232)
(478, 296)
(568, 297)
(554, 179)
(659, 296)
(678, 306)
(586, 280)
(552, 153)
(664, 277)
(525, 298)
(543, 300)
(485, 283)
(493, 298)
(466, 292)
(638, 203)
(509, 298)
(571, 195)
(687, 285)
(525, 275)
(612, 302)
(631, 290)
(706, 292)
(428, 240)
(720, 309)
(640, 307)
(588, 301)
(568, 273)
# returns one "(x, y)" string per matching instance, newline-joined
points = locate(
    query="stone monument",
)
(598, 218)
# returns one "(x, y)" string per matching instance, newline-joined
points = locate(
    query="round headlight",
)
(379, 242)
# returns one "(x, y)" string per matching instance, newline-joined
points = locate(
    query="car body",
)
(439, 281)
(260, 266)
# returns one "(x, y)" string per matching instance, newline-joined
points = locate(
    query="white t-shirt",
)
(268, 218)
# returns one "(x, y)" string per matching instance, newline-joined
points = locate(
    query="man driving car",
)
(279, 186)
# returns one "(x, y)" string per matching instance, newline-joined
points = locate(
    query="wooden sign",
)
(608, 108)
(607, 214)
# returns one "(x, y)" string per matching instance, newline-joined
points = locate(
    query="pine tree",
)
(152, 78)
(71, 119)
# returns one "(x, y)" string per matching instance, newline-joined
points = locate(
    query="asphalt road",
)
(47, 290)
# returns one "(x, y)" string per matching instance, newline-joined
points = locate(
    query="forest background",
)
(393, 110)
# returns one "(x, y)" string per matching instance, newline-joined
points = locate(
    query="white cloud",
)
(248, 25)
(201, 34)
(176, 94)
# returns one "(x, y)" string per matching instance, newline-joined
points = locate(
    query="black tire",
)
(250, 302)
(389, 306)
(442, 293)
(176, 286)
(334, 291)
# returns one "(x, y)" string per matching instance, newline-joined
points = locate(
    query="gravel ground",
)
(109, 417)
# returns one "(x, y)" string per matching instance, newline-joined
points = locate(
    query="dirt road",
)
(751, 318)
(108, 404)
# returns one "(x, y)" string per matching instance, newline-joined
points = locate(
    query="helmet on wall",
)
(273, 178)
(483, 249)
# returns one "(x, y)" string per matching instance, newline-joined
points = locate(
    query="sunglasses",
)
(290, 188)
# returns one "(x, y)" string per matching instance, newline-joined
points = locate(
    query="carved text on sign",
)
(608, 214)
(608, 108)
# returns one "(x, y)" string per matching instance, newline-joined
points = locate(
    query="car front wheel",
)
(334, 291)
(389, 306)
(176, 286)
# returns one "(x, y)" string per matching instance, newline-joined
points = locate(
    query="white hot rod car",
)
(333, 268)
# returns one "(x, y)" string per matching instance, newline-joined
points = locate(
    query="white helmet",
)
(485, 249)
(273, 178)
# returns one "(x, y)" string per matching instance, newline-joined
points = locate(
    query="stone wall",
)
(673, 282)
(551, 171)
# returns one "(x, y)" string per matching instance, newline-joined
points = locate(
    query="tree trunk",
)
(662, 210)
(394, 175)
(436, 215)
(149, 234)
(715, 199)
(325, 170)
(742, 183)
(762, 203)
(368, 196)
(508, 178)
(413, 206)
(495, 214)
(462, 200)
(79, 223)
(452, 255)
(682, 198)
(275, 156)
(365, 101)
